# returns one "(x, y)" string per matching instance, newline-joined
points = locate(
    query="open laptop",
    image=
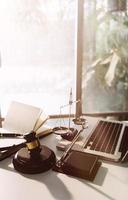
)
(108, 140)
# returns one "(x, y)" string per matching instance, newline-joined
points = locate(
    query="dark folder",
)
(81, 165)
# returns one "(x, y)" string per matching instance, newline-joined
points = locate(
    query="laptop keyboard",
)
(105, 140)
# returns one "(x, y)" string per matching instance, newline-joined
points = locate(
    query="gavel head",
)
(32, 144)
(34, 158)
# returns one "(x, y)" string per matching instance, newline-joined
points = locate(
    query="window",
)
(37, 52)
(104, 56)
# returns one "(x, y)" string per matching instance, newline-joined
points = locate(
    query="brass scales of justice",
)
(68, 132)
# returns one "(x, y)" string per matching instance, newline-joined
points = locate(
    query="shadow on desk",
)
(99, 179)
(54, 183)
(49, 178)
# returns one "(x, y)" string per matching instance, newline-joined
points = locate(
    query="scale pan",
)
(61, 130)
(65, 133)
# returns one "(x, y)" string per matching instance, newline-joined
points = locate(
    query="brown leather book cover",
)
(81, 165)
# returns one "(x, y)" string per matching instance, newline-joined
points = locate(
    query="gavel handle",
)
(5, 152)
(11, 135)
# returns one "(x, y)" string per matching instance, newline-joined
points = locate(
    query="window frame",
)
(79, 49)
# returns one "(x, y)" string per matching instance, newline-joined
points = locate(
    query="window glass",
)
(105, 57)
(37, 52)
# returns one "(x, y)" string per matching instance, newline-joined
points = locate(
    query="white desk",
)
(111, 183)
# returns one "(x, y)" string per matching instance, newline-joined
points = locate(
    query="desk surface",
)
(111, 182)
